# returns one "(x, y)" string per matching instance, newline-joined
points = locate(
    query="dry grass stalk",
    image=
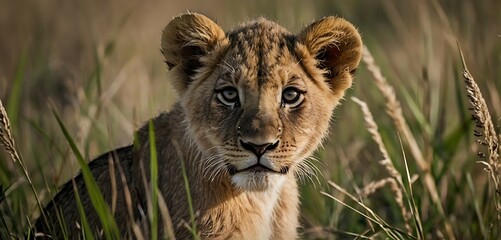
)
(128, 200)
(7, 140)
(394, 110)
(372, 187)
(491, 139)
(395, 182)
(113, 182)
(6, 135)
(373, 130)
(167, 220)
(370, 215)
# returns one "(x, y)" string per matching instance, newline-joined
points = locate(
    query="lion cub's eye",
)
(228, 96)
(292, 97)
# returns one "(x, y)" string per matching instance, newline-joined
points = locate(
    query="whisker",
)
(306, 169)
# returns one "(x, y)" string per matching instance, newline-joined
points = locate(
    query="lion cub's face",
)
(258, 100)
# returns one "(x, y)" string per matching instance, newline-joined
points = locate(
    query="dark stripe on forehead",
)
(262, 45)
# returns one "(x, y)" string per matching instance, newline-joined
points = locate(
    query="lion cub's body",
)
(253, 104)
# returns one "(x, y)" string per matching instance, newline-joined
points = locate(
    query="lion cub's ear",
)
(337, 47)
(185, 40)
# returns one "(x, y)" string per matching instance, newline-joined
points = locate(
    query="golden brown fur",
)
(253, 104)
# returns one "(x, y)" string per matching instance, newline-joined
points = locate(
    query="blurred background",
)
(98, 64)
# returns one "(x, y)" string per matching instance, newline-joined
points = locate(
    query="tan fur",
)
(218, 139)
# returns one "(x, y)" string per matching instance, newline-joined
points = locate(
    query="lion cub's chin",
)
(257, 181)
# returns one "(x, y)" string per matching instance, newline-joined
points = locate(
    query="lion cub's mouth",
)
(256, 168)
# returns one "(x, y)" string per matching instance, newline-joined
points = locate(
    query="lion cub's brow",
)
(260, 47)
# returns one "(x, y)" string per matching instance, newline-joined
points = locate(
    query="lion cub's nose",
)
(259, 149)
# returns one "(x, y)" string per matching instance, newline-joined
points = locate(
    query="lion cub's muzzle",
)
(259, 134)
(259, 149)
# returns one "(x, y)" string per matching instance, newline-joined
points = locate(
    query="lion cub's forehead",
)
(261, 48)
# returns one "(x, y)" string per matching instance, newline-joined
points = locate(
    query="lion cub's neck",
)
(247, 215)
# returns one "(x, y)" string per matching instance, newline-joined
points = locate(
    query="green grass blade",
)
(416, 111)
(154, 181)
(62, 223)
(2, 194)
(476, 206)
(448, 147)
(15, 92)
(5, 226)
(87, 233)
(390, 231)
(411, 199)
(188, 193)
(49, 140)
(103, 211)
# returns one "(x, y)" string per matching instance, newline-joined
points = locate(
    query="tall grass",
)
(426, 166)
(96, 196)
(154, 181)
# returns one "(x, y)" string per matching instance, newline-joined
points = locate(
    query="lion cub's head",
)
(258, 99)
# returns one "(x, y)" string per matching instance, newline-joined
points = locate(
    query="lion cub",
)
(253, 103)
